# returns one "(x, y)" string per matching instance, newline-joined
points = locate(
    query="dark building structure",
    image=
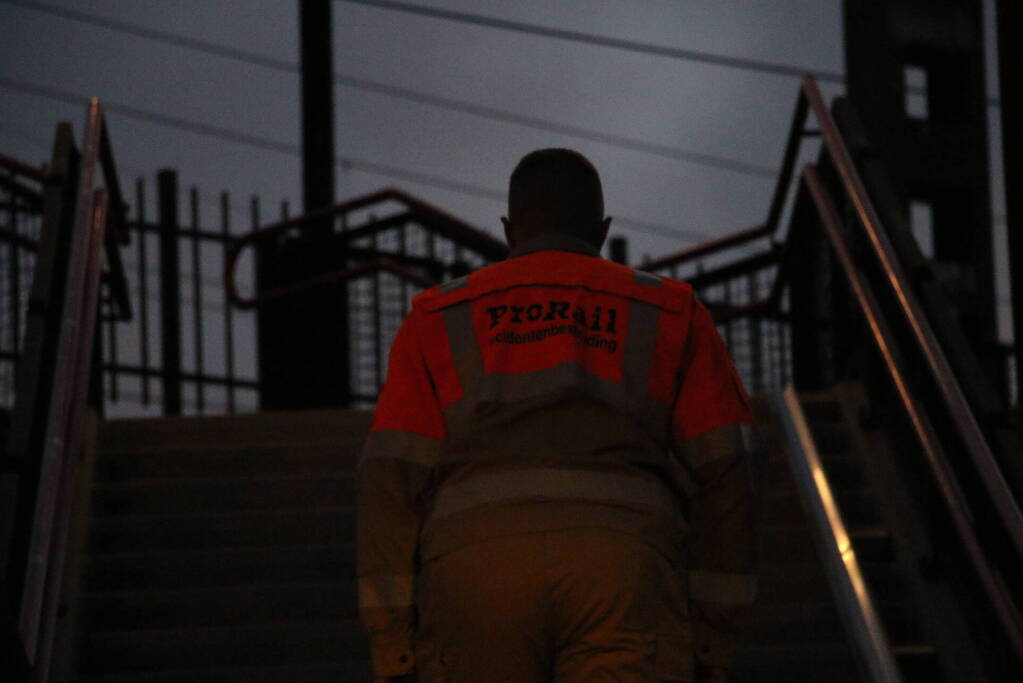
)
(915, 74)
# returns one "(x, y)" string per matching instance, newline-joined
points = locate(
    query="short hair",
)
(557, 189)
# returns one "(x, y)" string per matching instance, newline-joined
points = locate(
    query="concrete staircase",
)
(221, 549)
(797, 633)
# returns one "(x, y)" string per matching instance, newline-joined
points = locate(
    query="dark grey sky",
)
(708, 109)
(729, 113)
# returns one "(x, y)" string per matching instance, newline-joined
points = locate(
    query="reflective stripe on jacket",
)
(554, 390)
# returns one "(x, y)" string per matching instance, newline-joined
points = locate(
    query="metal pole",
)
(170, 292)
(140, 224)
(317, 104)
(225, 231)
(1010, 20)
(197, 312)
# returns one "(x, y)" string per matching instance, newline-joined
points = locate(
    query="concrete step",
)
(252, 429)
(219, 567)
(809, 621)
(212, 462)
(787, 544)
(821, 409)
(250, 528)
(795, 663)
(260, 645)
(331, 672)
(785, 507)
(844, 472)
(803, 622)
(178, 495)
(831, 439)
(917, 661)
(794, 583)
(220, 605)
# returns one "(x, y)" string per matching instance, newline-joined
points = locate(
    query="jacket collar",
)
(554, 240)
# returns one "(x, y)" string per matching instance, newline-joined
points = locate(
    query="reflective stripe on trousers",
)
(553, 484)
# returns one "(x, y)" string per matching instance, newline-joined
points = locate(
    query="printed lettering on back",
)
(593, 325)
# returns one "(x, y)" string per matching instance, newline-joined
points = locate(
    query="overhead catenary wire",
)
(684, 54)
(344, 162)
(407, 94)
(700, 56)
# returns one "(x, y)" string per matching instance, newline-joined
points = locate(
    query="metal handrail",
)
(950, 392)
(955, 500)
(379, 264)
(926, 341)
(59, 420)
(855, 605)
(417, 209)
(797, 132)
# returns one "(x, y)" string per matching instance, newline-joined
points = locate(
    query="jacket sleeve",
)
(710, 407)
(392, 477)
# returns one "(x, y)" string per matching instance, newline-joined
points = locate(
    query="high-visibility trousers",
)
(568, 606)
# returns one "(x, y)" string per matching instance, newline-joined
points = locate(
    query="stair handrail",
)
(50, 415)
(949, 389)
(417, 209)
(941, 370)
(991, 580)
(769, 227)
(950, 392)
(871, 646)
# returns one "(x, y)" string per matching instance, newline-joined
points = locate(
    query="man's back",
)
(557, 438)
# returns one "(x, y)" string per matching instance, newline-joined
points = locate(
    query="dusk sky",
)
(732, 116)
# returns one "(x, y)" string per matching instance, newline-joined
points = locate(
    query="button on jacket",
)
(555, 390)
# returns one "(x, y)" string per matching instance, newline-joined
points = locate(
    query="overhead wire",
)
(419, 97)
(759, 66)
(652, 49)
(343, 162)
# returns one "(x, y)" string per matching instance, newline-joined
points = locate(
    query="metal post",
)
(197, 312)
(140, 224)
(225, 231)
(170, 292)
(757, 352)
(317, 104)
(1010, 20)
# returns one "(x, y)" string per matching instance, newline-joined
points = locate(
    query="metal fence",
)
(186, 350)
(20, 221)
(758, 337)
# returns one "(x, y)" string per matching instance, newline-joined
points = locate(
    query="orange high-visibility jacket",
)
(555, 390)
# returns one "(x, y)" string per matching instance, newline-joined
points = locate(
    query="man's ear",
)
(509, 235)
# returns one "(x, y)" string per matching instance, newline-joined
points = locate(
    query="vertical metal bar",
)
(14, 254)
(1010, 20)
(376, 308)
(756, 352)
(403, 250)
(111, 346)
(225, 231)
(728, 324)
(170, 292)
(200, 390)
(140, 227)
(255, 221)
(284, 209)
(317, 61)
